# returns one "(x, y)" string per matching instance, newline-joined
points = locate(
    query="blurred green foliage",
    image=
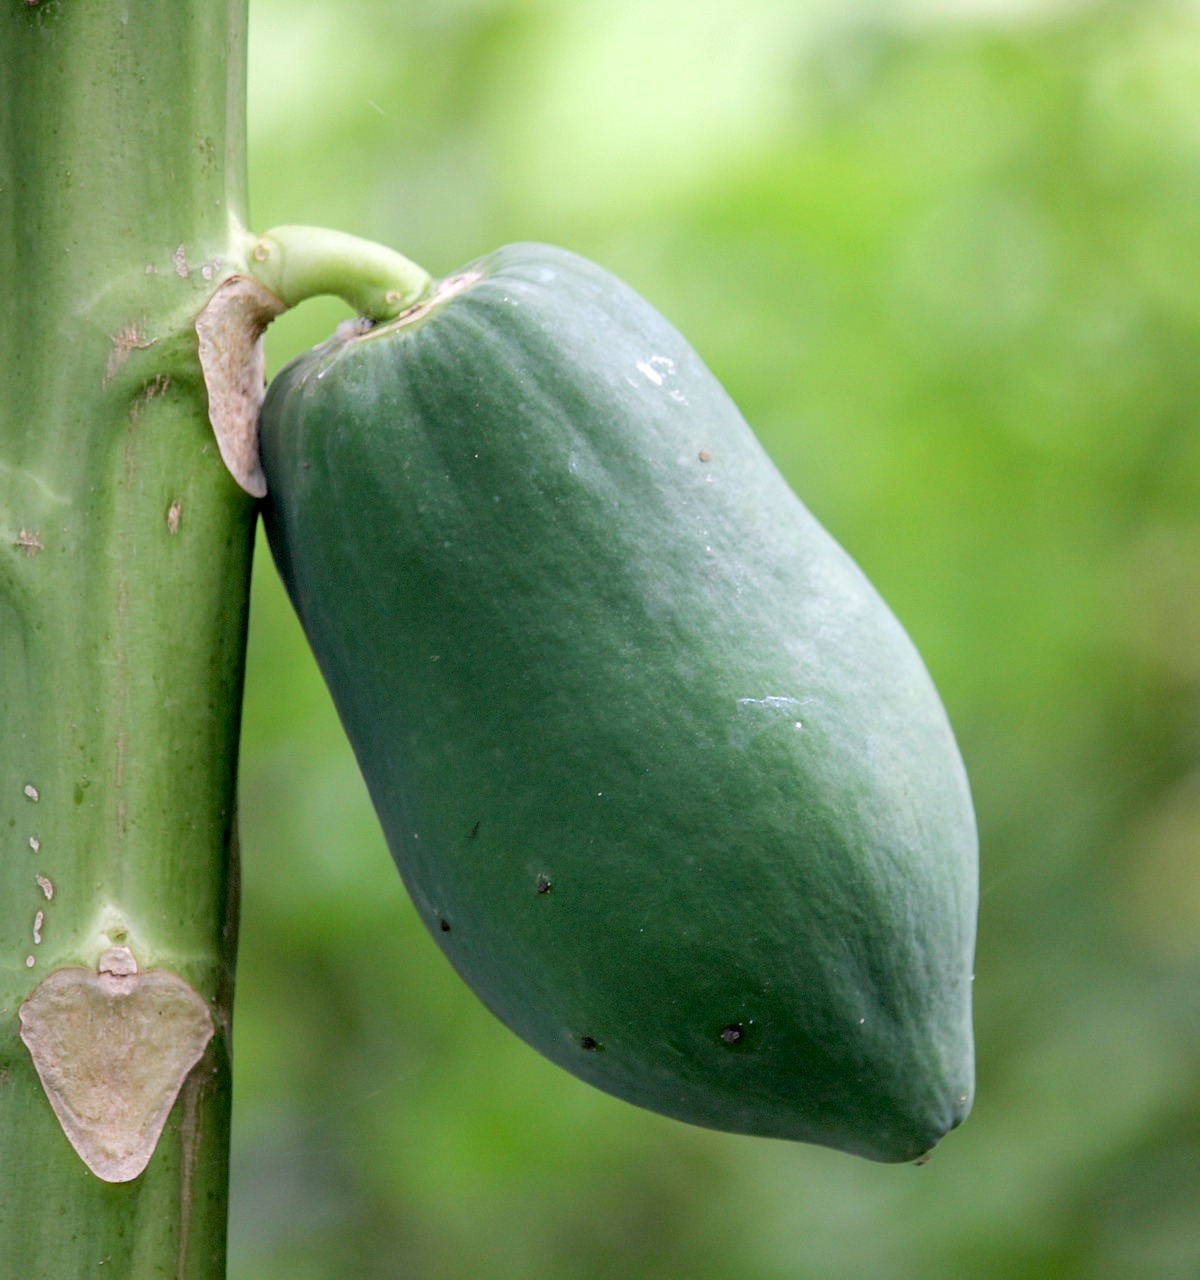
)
(946, 256)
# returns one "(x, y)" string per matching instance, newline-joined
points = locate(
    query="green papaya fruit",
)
(665, 778)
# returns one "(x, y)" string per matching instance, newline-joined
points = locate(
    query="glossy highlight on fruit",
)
(665, 778)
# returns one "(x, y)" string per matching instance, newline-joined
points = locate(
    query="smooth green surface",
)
(944, 257)
(124, 563)
(298, 263)
(667, 781)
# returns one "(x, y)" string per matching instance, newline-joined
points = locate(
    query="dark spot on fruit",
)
(705, 456)
(732, 1033)
(590, 1043)
(543, 885)
(444, 925)
(473, 832)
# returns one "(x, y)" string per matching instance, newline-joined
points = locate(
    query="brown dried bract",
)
(112, 1049)
(230, 330)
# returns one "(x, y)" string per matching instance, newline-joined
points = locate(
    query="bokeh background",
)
(946, 256)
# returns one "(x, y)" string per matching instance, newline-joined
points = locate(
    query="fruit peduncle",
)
(282, 268)
(296, 262)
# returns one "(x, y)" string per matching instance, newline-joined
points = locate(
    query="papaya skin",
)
(665, 778)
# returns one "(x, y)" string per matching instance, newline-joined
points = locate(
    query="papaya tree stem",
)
(124, 579)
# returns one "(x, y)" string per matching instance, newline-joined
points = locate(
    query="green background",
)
(946, 256)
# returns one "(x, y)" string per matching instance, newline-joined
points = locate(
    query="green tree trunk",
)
(124, 570)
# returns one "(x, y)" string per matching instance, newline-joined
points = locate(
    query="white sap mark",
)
(658, 369)
(30, 962)
(34, 843)
(174, 515)
(31, 792)
(112, 1049)
(46, 887)
(355, 327)
(180, 263)
(774, 702)
(38, 921)
(207, 271)
(582, 463)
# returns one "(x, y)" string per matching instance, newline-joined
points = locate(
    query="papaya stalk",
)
(125, 553)
(298, 263)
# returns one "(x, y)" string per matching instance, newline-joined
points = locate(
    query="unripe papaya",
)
(665, 778)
